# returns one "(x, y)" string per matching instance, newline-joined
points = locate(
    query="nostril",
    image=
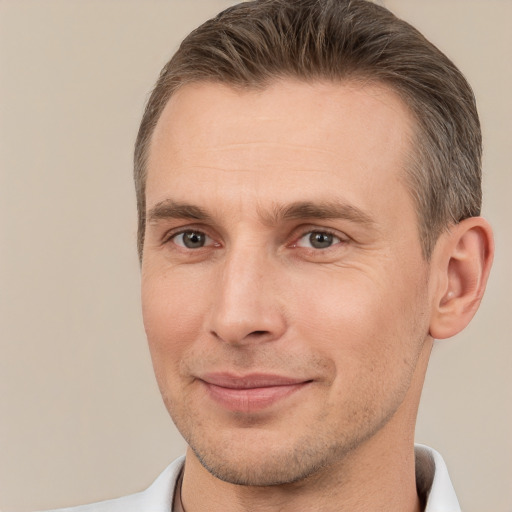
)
(259, 333)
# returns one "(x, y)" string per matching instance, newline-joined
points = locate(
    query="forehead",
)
(311, 137)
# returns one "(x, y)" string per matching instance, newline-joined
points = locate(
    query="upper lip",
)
(250, 381)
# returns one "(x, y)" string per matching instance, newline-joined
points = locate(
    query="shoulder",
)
(156, 498)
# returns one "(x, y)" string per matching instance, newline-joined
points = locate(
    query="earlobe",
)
(463, 259)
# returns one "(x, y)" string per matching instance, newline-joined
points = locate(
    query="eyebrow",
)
(170, 209)
(321, 210)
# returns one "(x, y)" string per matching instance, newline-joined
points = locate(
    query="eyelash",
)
(325, 232)
(173, 235)
(341, 239)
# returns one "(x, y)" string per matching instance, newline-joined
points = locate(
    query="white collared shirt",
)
(441, 496)
(158, 497)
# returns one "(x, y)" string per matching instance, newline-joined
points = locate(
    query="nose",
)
(247, 306)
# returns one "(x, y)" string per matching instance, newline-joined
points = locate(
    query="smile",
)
(250, 393)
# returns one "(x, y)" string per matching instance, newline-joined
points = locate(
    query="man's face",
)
(284, 290)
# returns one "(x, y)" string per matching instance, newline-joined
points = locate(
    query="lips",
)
(250, 393)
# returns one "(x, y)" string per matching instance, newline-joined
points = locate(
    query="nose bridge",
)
(246, 305)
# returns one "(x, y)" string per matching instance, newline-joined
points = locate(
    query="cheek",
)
(342, 305)
(365, 324)
(172, 312)
(370, 334)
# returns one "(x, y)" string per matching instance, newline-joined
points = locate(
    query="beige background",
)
(80, 414)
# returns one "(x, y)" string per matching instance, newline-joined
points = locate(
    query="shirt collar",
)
(432, 478)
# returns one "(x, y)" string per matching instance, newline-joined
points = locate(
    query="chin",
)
(264, 460)
(261, 470)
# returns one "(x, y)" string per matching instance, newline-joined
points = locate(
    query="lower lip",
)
(252, 399)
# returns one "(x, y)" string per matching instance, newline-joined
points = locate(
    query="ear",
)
(462, 261)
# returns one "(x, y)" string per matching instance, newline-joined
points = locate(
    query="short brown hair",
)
(254, 43)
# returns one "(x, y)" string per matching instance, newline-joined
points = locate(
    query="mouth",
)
(250, 393)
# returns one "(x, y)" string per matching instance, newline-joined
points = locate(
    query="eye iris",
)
(193, 240)
(320, 240)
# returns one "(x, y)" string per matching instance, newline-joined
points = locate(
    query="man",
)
(308, 185)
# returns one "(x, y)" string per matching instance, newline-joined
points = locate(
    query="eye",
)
(191, 239)
(318, 240)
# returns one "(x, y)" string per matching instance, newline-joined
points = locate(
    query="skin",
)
(256, 180)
